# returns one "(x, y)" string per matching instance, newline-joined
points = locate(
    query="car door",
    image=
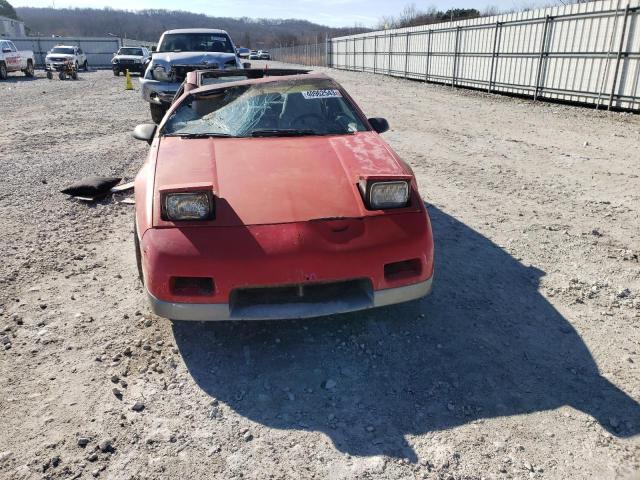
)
(12, 57)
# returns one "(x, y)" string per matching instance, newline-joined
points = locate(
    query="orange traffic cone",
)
(128, 84)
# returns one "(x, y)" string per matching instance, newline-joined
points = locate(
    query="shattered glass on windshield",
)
(279, 108)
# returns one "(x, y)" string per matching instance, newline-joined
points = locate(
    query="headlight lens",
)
(393, 194)
(187, 206)
(161, 73)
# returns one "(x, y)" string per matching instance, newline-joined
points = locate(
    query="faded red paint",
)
(260, 181)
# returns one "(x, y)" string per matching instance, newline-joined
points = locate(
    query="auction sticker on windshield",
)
(326, 93)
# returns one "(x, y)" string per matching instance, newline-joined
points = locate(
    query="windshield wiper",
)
(283, 132)
(200, 135)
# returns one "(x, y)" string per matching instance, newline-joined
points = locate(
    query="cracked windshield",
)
(280, 108)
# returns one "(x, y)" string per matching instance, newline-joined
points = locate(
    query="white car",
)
(60, 54)
(12, 60)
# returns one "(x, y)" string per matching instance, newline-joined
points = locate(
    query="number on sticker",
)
(326, 93)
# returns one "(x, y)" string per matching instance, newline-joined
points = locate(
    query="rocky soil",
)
(523, 363)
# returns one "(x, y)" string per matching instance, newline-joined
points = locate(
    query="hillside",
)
(149, 24)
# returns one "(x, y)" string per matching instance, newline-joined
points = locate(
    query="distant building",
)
(11, 28)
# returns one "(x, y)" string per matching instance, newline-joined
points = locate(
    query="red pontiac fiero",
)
(275, 198)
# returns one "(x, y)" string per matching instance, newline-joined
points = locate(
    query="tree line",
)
(148, 25)
(411, 16)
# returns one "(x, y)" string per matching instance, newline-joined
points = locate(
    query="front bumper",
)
(225, 311)
(337, 265)
(55, 66)
(154, 91)
(132, 67)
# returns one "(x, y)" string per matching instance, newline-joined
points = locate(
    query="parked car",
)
(273, 198)
(179, 52)
(254, 55)
(14, 60)
(134, 59)
(264, 55)
(243, 52)
(60, 54)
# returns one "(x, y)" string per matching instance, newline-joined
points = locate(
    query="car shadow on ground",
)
(485, 344)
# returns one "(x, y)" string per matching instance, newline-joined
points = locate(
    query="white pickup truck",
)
(12, 60)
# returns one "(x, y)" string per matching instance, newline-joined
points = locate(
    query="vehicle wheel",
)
(3, 71)
(85, 66)
(49, 75)
(74, 75)
(136, 243)
(29, 72)
(61, 76)
(157, 112)
(116, 72)
(77, 67)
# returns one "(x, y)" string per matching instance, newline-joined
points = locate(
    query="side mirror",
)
(380, 125)
(145, 131)
(246, 65)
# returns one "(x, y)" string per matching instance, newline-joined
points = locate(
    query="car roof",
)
(65, 46)
(196, 30)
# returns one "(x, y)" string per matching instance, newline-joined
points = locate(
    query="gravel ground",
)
(523, 363)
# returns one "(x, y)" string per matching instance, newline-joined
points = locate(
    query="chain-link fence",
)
(313, 55)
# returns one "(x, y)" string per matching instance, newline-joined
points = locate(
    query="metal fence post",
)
(327, 58)
(426, 72)
(494, 54)
(375, 54)
(543, 43)
(363, 43)
(390, 50)
(615, 74)
(355, 66)
(455, 57)
(406, 57)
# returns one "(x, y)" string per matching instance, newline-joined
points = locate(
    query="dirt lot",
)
(523, 363)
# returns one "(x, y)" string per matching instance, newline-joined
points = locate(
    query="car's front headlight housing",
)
(188, 206)
(162, 73)
(382, 194)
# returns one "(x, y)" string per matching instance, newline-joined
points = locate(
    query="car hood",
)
(128, 57)
(276, 180)
(193, 58)
(60, 55)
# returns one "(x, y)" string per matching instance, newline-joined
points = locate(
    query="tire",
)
(85, 66)
(77, 67)
(30, 71)
(3, 72)
(62, 76)
(136, 243)
(157, 112)
(49, 75)
(74, 75)
(116, 72)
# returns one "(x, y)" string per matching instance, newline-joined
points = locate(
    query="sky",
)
(335, 13)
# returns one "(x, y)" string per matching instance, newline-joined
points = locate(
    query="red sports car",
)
(272, 198)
